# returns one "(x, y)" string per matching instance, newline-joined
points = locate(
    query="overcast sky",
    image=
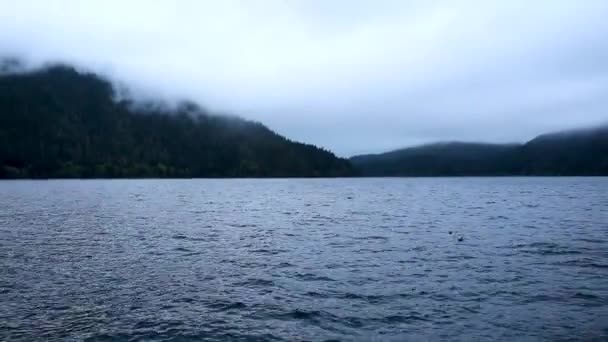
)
(352, 76)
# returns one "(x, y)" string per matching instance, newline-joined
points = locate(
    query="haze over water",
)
(310, 259)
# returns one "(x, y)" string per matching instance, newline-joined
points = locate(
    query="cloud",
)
(352, 76)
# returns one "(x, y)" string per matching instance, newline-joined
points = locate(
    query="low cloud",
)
(351, 76)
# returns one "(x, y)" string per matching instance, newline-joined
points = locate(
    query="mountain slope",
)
(441, 159)
(581, 152)
(577, 152)
(58, 122)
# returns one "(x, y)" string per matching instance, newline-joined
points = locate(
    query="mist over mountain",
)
(354, 77)
(57, 122)
(568, 153)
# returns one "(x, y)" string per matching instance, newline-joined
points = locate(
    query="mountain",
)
(577, 152)
(571, 153)
(439, 159)
(61, 123)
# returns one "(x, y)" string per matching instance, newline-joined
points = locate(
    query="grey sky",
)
(351, 76)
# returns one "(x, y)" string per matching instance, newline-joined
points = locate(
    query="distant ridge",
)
(57, 122)
(581, 152)
(61, 123)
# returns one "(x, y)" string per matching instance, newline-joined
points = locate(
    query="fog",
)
(350, 76)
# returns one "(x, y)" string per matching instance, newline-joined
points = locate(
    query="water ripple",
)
(475, 259)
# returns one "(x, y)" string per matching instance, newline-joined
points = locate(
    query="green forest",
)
(573, 153)
(61, 123)
(57, 122)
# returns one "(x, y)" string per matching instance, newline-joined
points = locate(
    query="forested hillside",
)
(573, 153)
(60, 123)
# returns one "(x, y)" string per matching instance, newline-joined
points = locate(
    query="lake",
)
(458, 259)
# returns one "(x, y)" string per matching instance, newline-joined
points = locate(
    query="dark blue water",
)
(289, 260)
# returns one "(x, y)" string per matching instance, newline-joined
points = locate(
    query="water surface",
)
(324, 259)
